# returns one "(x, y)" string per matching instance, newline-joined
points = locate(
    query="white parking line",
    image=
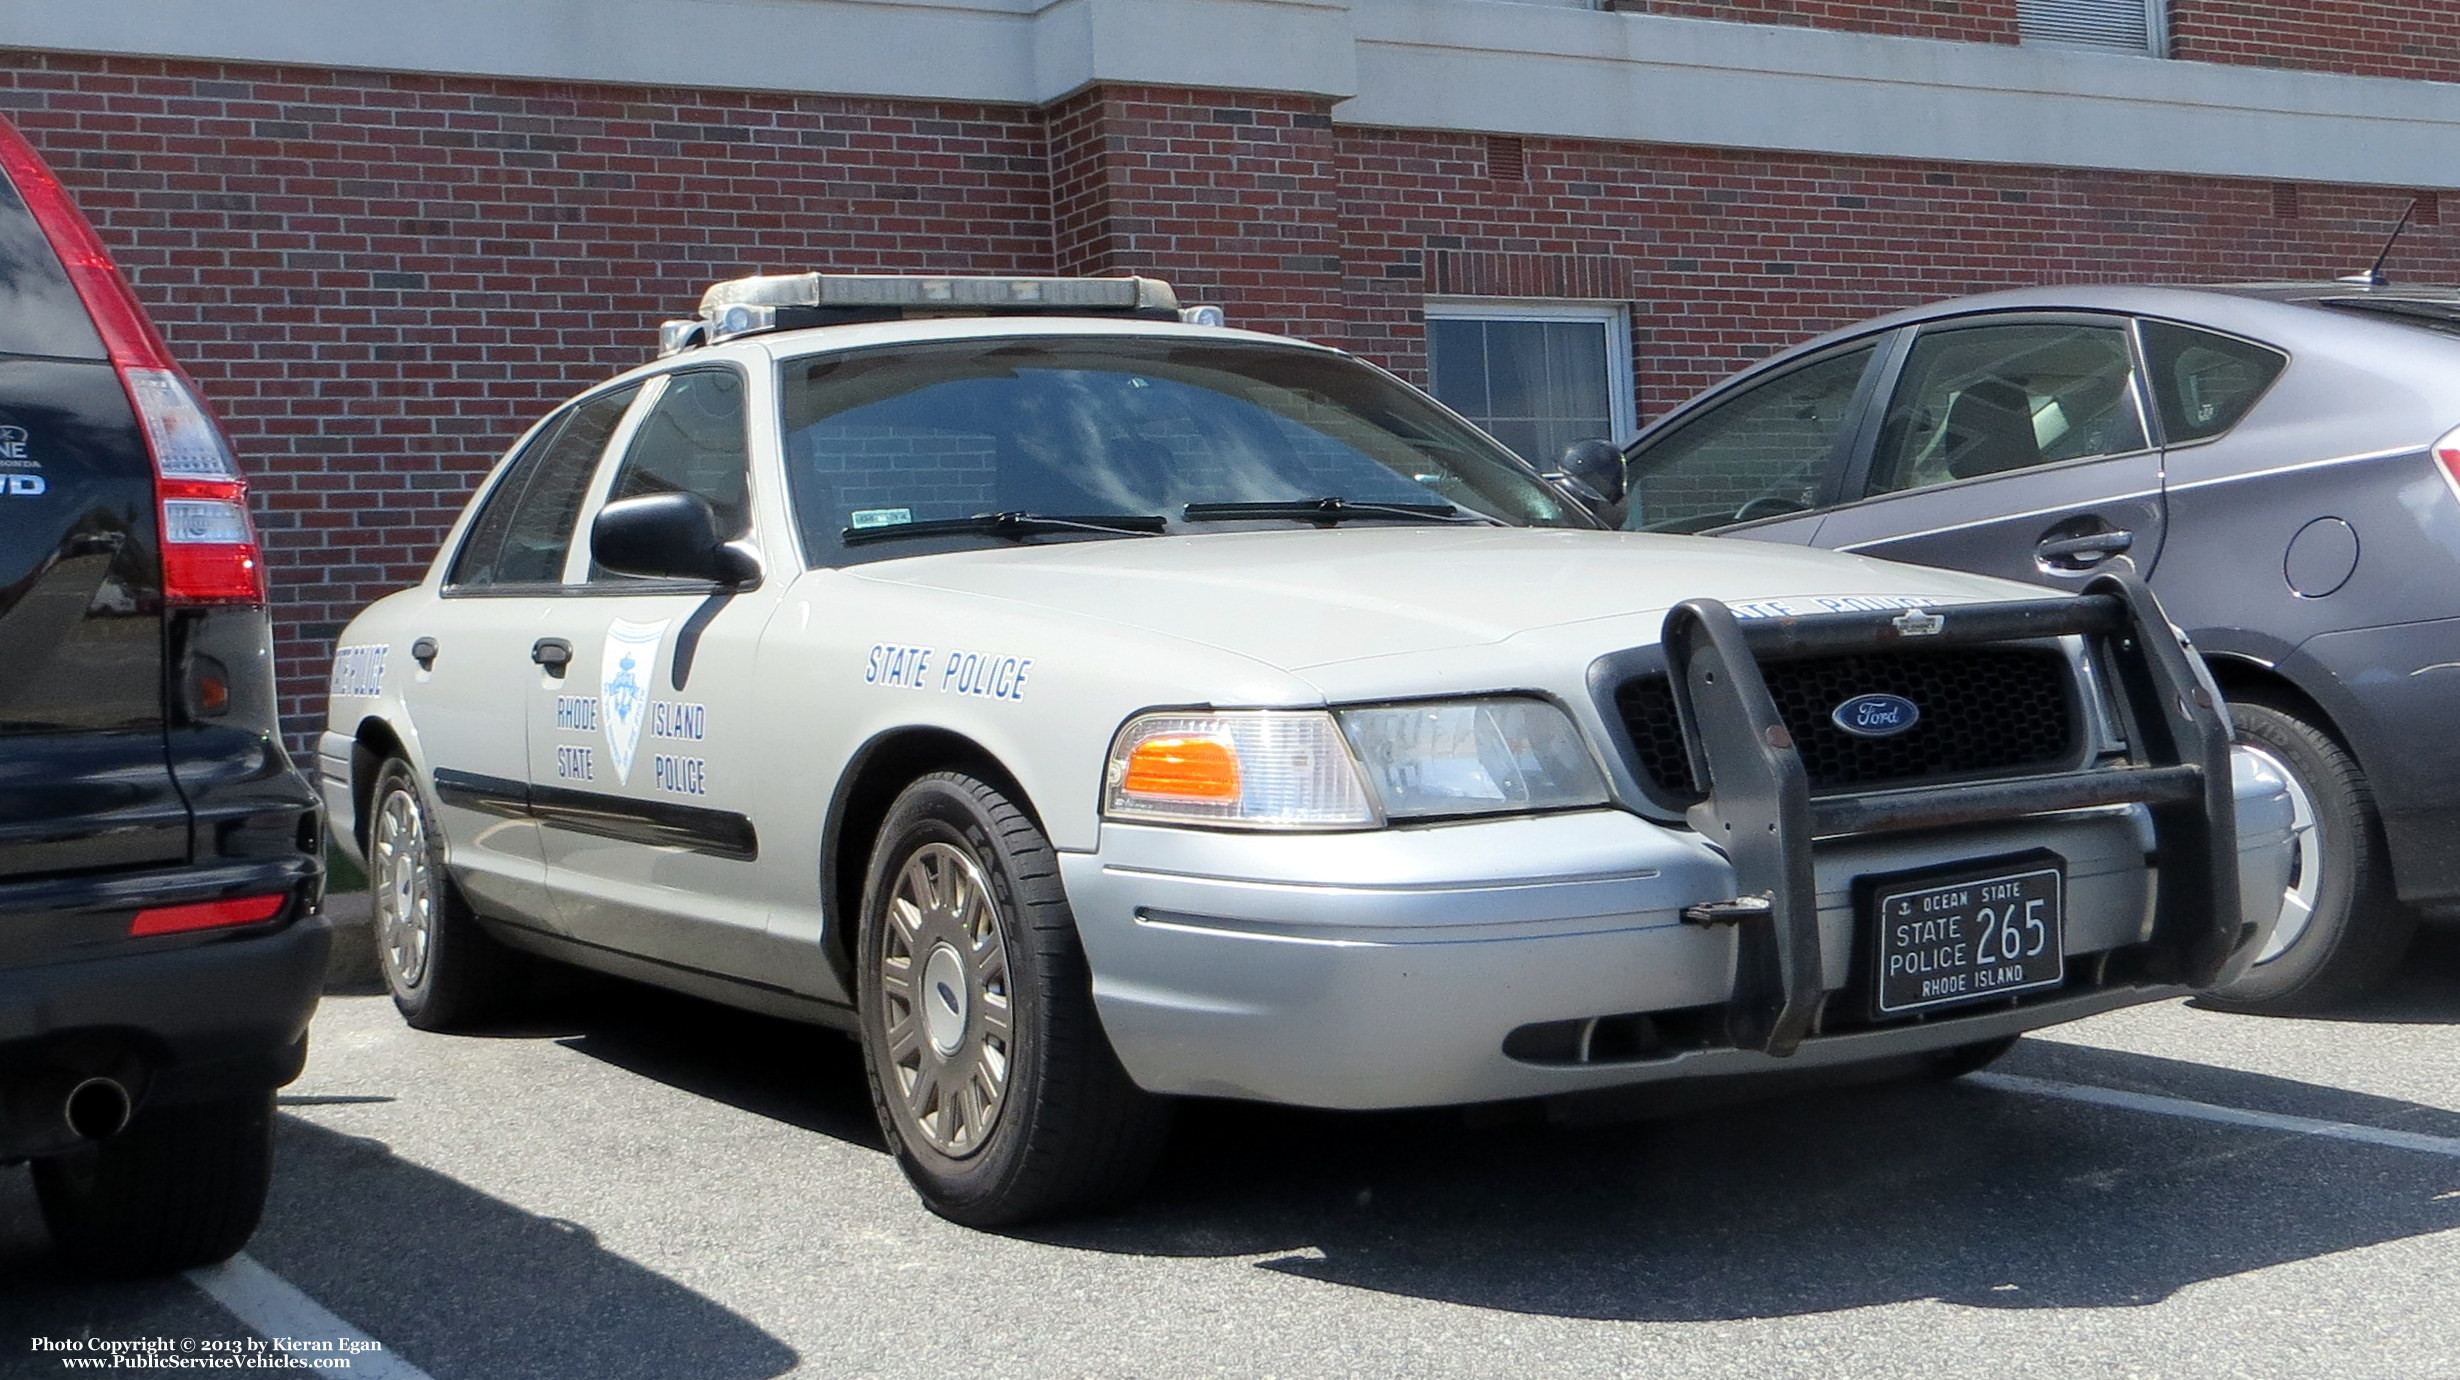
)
(2227, 1116)
(273, 1307)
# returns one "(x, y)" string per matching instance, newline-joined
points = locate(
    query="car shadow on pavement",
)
(801, 1075)
(1832, 1198)
(1808, 1203)
(454, 1281)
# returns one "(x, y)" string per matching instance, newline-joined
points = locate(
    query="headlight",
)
(1357, 768)
(1472, 757)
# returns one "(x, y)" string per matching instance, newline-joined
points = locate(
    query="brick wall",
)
(1968, 21)
(380, 280)
(2418, 39)
(1234, 199)
(1734, 255)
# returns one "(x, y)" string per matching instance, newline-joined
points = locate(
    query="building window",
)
(2118, 26)
(1536, 375)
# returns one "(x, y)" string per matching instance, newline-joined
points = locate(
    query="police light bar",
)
(774, 301)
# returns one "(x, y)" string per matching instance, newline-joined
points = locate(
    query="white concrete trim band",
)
(1472, 65)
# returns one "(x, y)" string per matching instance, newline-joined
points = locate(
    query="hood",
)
(1301, 599)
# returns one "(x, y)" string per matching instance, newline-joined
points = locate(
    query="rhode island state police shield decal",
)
(624, 672)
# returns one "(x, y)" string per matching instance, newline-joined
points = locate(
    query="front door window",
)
(1758, 454)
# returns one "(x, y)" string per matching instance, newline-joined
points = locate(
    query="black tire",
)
(1948, 1064)
(982, 928)
(444, 971)
(2357, 930)
(179, 1187)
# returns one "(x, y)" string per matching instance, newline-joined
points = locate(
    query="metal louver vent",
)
(2130, 26)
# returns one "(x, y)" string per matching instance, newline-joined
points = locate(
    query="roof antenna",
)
(2374, 277)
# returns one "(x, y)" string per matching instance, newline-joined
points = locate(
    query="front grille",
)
(1984, 711)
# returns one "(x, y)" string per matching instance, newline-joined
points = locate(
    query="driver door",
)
(646, 757)
(1764, 462)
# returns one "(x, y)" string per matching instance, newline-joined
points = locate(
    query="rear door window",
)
(524, 529)
(1984, 400)
(40, 312)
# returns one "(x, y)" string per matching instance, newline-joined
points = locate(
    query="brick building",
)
(385, 238)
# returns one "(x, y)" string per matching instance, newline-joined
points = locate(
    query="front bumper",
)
(1542, 956)
(1390, 969)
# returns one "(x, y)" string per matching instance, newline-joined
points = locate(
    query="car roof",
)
(832, 339)
(2211, 303)
(2291, 315)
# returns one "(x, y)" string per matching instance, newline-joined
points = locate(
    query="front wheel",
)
(179, 1187)
(2341, 928)
(993, 1081)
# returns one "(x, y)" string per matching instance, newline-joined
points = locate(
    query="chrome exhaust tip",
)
(96, 1108)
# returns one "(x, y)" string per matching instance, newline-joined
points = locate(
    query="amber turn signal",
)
(1182, 769)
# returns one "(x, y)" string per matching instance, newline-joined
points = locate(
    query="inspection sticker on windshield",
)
(861, 518)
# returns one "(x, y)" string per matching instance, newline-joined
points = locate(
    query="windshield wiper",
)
(1329, 510)
(1008, 526)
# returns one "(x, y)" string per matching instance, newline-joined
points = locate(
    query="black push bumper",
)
(1760, 811)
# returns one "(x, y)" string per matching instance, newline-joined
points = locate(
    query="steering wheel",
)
(1770, 505)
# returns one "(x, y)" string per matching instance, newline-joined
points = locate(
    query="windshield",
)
(1124, 426)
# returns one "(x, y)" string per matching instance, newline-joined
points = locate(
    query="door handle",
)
(554, 653)
(423, 652)
(2086, 549)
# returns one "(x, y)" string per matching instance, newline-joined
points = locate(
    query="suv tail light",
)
(2447, 454)
(210, 553)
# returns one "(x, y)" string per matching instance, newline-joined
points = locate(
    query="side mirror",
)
(669, 537)
(1597, 464)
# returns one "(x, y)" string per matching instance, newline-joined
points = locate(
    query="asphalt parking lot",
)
(635, 1184)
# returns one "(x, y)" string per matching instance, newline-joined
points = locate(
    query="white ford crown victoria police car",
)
(1085, 707)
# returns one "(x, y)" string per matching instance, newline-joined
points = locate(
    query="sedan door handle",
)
(2092, 546)
(554, 653)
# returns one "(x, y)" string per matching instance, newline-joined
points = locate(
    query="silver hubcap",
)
(948, 1028)
(404, 889)
(2305, 861)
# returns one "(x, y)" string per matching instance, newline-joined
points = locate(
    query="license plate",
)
(1945, 940)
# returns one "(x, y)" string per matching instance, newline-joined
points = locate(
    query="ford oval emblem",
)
(1876, 716)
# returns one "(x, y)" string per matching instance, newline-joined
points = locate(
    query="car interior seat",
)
(1990, 430)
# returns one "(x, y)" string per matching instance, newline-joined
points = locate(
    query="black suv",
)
(160, 858)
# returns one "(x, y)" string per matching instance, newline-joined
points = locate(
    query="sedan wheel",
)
(994, 1084)
(404, 888)
(2341, 929)
(443, 970)
(945, 1005)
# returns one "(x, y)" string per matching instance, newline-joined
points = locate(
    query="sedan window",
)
(1757, 454)
(691, 442)
(1985, 400)
(524, 528)
(1087, 427)
(2202, 382)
